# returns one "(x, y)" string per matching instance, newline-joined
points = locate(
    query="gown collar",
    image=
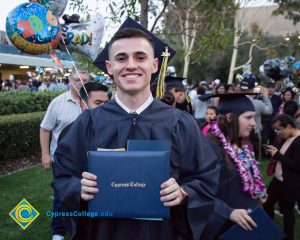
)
(139, 110)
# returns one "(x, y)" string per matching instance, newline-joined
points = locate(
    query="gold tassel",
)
(160, 89)
(187, 97)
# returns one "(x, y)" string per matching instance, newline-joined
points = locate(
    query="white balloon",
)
(84, 38)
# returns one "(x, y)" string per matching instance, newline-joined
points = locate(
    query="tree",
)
(200, 25)
(289, 8)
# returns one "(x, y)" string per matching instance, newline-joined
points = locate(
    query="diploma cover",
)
(266, 229)
(129, 183)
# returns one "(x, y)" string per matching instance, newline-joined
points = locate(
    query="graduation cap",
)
(174, 82)
(160, 47)
(232, 102)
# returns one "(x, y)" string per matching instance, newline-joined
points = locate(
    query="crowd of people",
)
(34, 85)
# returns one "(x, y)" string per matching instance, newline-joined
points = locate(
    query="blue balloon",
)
(296, 69)
(32, 28)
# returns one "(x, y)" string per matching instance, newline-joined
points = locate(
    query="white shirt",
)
(62, 111)
(139, 110)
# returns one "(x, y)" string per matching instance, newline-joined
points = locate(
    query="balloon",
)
(84, 38)
(33, 29)
(56, 6)
(272, 68)
(288, 61)
(296, 69)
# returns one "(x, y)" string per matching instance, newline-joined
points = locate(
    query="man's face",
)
(78, 80)
(97, 98)
(271, 91)
(132, 64)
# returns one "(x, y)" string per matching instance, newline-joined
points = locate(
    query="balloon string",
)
(76, 70)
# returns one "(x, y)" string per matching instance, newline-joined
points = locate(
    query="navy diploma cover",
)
(266, 229)
(129, 183)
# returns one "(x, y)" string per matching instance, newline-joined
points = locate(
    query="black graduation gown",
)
(193, 164)
(229, 197)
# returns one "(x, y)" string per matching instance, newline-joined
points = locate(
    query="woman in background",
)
(240, 185)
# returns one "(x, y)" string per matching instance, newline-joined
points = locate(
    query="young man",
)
(93, 94)
(62, 111)
(193, 169)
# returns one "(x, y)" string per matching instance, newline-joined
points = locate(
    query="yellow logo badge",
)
(24, 214)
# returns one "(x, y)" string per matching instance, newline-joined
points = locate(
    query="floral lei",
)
(251, 180)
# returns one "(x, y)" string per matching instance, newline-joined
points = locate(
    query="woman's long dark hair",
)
(230, 128)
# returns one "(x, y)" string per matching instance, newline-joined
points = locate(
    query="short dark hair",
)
(168, 98)
(284, 120)
(89, 87)
(201, 90)
(290, 108)
(130, 33)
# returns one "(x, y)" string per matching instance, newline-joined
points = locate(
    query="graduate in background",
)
(175, 86)
(240, 185)
(134, 114)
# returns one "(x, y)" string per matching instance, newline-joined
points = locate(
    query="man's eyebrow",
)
(121, 54)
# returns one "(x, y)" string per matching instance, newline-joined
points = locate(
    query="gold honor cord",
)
(160, 89)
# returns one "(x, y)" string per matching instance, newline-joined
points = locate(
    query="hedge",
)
(19, 135)
(25, 102)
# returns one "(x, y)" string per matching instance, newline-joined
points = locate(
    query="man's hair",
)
(91, 86)
(284, 120)
(290, 108)
(79, 70)
(168, 98)
(130, 33)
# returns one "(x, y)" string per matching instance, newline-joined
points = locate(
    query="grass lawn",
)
(34, 184)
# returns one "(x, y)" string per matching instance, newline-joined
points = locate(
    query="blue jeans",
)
(57, 225)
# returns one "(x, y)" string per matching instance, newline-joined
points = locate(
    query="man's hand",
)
(88, 186)
(242, 218)
(46, 161)
(171, 195)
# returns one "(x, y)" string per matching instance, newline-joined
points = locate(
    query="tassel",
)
(188, 100)
(160, 89)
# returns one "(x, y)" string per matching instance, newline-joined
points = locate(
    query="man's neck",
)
(133, 102)
(75, 95)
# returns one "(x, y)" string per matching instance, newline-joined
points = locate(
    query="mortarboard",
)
(158, 50)
(232, 102)
(174, 82)
(266, 229)
(270, 84)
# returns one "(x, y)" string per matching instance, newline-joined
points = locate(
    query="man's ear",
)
(108, 67)
(229, 117)
(155, 65)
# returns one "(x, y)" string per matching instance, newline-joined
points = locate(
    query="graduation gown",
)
(192, 163)
(228, 197)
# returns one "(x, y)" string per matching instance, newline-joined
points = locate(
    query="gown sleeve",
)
(199, 171)
(69, 163)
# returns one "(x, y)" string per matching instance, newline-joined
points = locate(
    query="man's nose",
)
(131, 63)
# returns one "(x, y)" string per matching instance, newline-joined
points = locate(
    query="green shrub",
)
(25, 102)
(19, 135)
